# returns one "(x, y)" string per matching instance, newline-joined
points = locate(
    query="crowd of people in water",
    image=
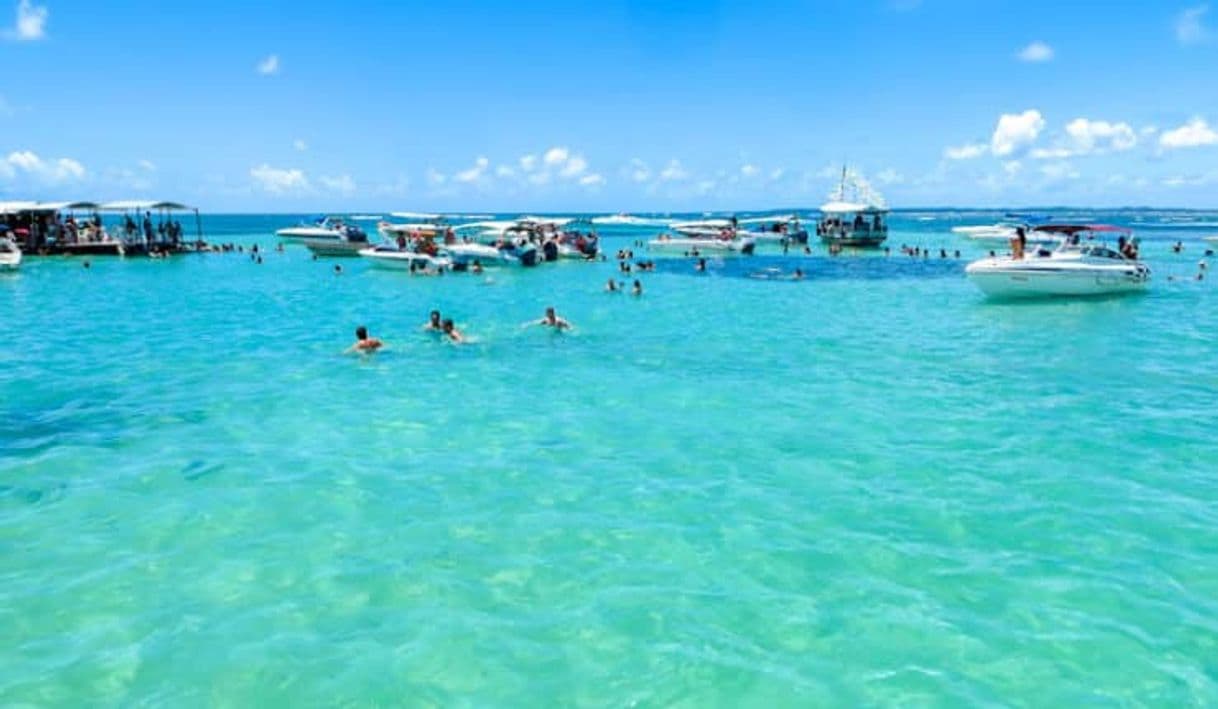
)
(446, 329)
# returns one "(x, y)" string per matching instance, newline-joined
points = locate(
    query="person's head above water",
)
(448, 325)
(435, 317)
(361, 333)
(550, 315)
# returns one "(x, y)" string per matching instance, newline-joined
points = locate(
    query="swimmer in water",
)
(338, 270)
(363, 343)
(551, 319)
(433, 323)
(451, 330)
(701, 267)
(477, 267)
(611, 286)
(799, 275)
(638, 288)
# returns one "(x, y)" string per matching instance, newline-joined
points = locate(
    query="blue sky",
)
(610, 105)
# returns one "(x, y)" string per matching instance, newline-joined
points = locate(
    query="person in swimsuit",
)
(364, 343)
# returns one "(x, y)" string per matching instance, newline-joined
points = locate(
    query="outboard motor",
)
(550, 249)
(528, 256)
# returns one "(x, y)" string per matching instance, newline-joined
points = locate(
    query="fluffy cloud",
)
(528, 163)
(1016, 131)
(474, 173)
(749, 170)
(674, 172)
(300, 145)
(1195, 133)
(505, 171)
(342, 184)
(1189, 27)
(638, 171)
(435, 178)
(31, 22)
(592, 180)
(269, 66)
(1056, 171)
(1084, 137)
(278, 181)
(27, 165)
(556, 156)
(1035, 52)
(776, 174)
(147, 165)
(574, 167)
(966, 152)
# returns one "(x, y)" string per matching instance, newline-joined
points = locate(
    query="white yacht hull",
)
(334, 247)
(999, 278)
(690, 246)
(466, 254)
(401, 260)
(10, 261)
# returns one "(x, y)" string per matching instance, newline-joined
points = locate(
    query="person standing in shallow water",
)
(551, 319)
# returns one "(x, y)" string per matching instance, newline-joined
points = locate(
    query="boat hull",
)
(691, 247)
(1014, 283)
(862, 242)
(402, 260)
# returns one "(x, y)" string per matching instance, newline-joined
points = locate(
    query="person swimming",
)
(433, 324)
(477, 267)
(451, 330)
(363, 343)
(701, 266)
(551, 319)
(638, 288)
(611, 286)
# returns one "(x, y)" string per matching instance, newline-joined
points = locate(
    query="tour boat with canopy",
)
(1080, 265)
(855, 215)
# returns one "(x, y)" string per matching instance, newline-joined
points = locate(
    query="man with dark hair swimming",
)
(363, 343)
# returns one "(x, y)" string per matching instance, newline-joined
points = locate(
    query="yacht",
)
(855, 215)
(327, 236)
(1080, 265)
(392, 257)
(10, 254)
(780, 229)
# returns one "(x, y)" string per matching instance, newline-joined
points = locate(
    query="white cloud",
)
(269, 66)
(31, 22)
(28, 165)
(674, 172)
(556, 156)
(574, 167)
(776, 174)
(300, 145)
(474, 173)
(1189, 27)
(593, 180)
(1195, 133)
(1016, 131)
(1035, 52)
(1055, 171)
(435, 178)
(1084, 137)
(966, 152)
(1012, 167)
(147, 165)
(749, 170)
(279, 180)
(504, 171)
(638, 171)
(539, 178)
(342, 184)
(889, 177)
(528, 163)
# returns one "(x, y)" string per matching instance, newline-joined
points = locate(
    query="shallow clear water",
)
(867, 486)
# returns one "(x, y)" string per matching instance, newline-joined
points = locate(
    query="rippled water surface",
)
(869, 485)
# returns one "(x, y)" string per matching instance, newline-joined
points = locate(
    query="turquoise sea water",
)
(870, 486)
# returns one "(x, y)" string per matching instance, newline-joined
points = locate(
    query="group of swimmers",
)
(445, 327)
(613, 286)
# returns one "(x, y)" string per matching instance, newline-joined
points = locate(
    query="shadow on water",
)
(818, 268)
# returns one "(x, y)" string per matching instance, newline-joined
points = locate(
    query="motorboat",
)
(10, 254)
(780, 229)
(1077, 267)
(327, 236)
(855, 215)
(391, 257)
(997, 233)
(725, 244)
(623, 219)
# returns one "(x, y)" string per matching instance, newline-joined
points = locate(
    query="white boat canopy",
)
(851, 208)
(136, 205)
(486, 226)
(705, 223)
(16, 206)
(416, 215)
(772, 218)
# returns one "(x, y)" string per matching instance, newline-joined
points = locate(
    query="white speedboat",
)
(397, 259)
(1077, 267)
(997, 233)
(10, 254)
(467, 253)
(695, 246)
(327, 237)
(780, 229)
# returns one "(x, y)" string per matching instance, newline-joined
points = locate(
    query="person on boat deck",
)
(875, 223)
(858, 221)
(451, 330)
(129, 225)
(551, 319)
(364, 343)
(148, 227)
(433, 323)
(1018, 243)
